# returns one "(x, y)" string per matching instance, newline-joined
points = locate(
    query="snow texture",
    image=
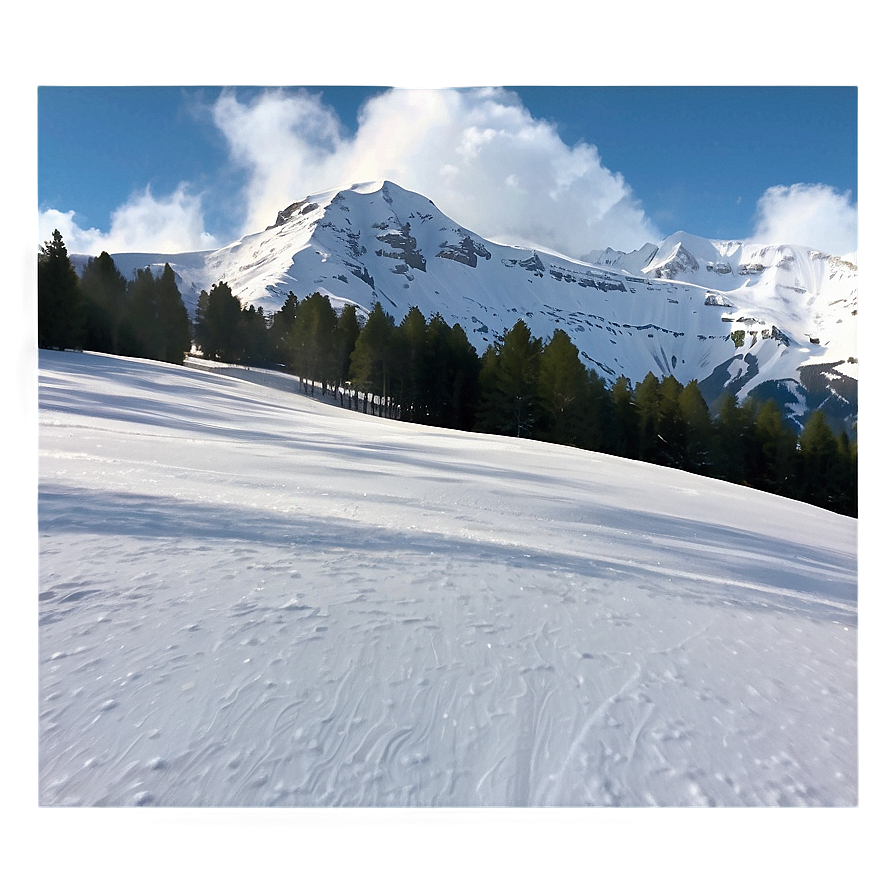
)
(251, 598)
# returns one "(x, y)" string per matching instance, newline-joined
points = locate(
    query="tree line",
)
(102, 311)
(426, 371)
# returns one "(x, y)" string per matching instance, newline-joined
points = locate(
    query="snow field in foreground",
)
(249, 598)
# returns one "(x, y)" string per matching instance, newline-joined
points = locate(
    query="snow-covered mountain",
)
(775, 321)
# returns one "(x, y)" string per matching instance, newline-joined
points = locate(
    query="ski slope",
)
(249, 598)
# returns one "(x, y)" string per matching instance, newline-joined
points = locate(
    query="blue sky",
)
(193, 167)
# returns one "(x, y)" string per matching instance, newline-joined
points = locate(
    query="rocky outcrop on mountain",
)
(466, 251)
(681, 263)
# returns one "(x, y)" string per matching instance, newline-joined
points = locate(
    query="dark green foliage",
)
(647, 403)
(60, 312)
(562, 381)
(827, 467)
(372, 361)
(775, 446)
(104, 290)
(623, 431)
(729, 441)
(596, 412)
(155, 318)
(412, 388)
(313, 340)
(347, 331)
(697, 425)
(462, 380)
(217, 325)
(278, 335)
(509, 384)
(175, 340)
(671, 429)
(253, 337)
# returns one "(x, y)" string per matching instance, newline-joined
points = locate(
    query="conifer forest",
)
(427, 371)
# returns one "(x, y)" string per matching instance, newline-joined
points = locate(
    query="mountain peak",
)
(735, 317)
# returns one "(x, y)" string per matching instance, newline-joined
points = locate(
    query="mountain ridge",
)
(770, 320)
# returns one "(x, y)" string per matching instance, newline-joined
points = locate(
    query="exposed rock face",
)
(302, 207)
(404, 246)
(466, 251)
(681, 263)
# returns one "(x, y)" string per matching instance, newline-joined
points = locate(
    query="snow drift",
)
(250, 598)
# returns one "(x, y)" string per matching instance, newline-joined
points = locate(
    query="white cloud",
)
(478, 154)
(172, 223)
(813, 215)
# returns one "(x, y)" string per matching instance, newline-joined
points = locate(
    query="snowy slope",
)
(780, 319)
(248, 598)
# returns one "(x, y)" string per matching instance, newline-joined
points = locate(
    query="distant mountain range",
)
(772, 321)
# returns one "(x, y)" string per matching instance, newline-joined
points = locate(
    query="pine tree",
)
(60, 314)
(597, 414)
(281, 327)
(372, 361)
(254, 344)
(174, 322)
(729, 442)
(623, 435)
(463, 382)
(671, 432)
(647, 405)
(217, 326)
(820, 470)
(561, 388)
(509, 384)
(104, 290)
(347, 331)
(313, 340)
(142, 315)
(697, 427)
(776, 451)
(412, 362)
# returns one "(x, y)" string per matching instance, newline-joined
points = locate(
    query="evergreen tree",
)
(281, 327)
(509, 384)
(217, 326)
(174, 322)
(60, 314)
(465, 385)
(313, 340)
(253, 339)
(104, 290)
(347, 331)
(142, 315)
(776, 451)
(623, 435)
(597, 414)
(671, 431)
(412, 363)
(562, 384)
(647, 409)
(730, 442)
(372, 360)
(820, 470)
(697, 428)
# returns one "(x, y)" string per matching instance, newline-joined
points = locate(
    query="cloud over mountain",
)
(479, 154)
(809, 215)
